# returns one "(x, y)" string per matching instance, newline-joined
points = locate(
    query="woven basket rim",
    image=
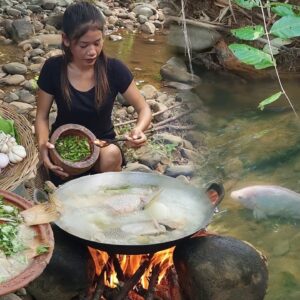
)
(15, 174)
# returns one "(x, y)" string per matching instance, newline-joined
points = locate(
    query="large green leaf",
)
(286, 27)
(275, 45)
(251, 56)
(269, 100)
(249, 33)
(283, 10)
(248, 4)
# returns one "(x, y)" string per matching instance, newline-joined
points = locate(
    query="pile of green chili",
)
(73, 148)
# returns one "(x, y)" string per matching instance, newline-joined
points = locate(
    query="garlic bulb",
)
(4, 160)
(16, 154)
(6, 142)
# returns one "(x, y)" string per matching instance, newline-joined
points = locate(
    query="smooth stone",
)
(176, 170)
(12, 79)
(14, 68)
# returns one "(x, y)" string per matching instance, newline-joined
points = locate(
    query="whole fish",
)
(269, 200)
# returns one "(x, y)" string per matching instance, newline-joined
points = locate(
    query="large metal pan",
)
(137, 179)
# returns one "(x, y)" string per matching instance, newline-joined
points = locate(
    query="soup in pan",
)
(131, 214)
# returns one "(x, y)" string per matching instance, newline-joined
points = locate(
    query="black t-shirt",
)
(83, 110)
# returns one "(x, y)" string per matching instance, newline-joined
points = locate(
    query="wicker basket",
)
(14, 174)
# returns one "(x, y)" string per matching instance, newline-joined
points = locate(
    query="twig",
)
(204, 24)
(232, 11)
(152, 282)
(100, 281)
(133, 280)
(118, 268)
(153, 115)
(172, 118)
(173, 127)
(174, 287)
(274, 62)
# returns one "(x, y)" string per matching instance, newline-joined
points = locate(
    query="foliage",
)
(287, 26)
(248, 4)
(269, 100)
(251, 56)
(249, 33)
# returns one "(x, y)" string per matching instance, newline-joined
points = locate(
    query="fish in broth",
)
(129, 215)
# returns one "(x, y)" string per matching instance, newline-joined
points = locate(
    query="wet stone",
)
(282, 248)
(176, 170)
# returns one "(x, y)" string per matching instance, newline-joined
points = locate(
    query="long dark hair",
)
(78, 19)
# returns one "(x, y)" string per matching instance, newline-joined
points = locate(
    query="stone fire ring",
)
(39, 263)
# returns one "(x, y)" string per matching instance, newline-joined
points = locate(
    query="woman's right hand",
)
(44, 156)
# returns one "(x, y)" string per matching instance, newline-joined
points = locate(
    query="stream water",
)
(245, 146)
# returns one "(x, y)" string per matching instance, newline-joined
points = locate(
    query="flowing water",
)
(245, 147)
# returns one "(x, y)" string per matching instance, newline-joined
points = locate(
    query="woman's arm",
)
(134, 98)
(44, 103)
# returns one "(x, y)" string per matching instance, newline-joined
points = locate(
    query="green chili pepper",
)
(73, 148)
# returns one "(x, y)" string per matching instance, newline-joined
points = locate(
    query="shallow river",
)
(245, 147)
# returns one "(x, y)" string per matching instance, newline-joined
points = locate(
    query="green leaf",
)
(251, 56)
(286, 27)
(249, 33)
(248, 4)
(285, 9)
(41, 249)
(269, 100)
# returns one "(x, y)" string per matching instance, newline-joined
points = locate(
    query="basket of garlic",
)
(18, 153)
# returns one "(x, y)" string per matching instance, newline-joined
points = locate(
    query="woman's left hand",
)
(136, 138)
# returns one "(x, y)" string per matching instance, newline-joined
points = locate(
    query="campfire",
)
(134, 277)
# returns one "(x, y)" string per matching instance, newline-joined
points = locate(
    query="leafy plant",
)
(287, 26)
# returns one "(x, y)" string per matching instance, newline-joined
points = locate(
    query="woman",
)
(84, 84)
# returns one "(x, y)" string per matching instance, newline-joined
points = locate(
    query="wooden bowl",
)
(79, 167)
(38, 264)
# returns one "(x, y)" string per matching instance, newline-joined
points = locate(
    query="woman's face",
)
(86, 50)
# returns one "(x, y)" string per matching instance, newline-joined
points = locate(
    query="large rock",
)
(15, 68)
(200, 38)
(21, 30)
(68, 273)
(220, 268)
(171, 72)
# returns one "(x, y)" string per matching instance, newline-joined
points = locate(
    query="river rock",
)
(22, 29)
(52, 40)
(148, 156)
(189, 154)
(115, 38)
(217, 267)
(149, 91)
(176, 170)
(144, 10)
(142, 19)
(168, 138)
(148, 27)
(137, 167)
(12, 79)
(25, 96)
(174, 73)
(48, 4)
(13, 12)
(55, 21)
(14, 68)
(22, 108)
(200, 38)
(10, 97)
(281, 248)
(34, 8)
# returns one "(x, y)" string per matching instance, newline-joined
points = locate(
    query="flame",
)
(129, 265)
